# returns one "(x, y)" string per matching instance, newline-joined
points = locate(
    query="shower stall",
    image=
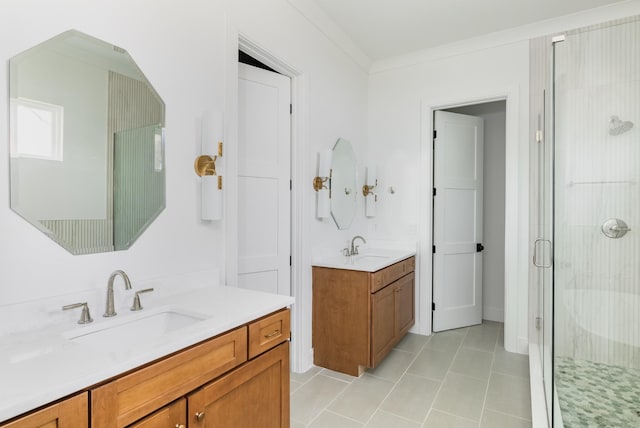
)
(586, 114)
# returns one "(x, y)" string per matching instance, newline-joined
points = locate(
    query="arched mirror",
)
(86, 143)
(343, 184)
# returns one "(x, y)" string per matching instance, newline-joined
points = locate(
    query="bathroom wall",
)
(401, 100)
(183, 50)
(402, 93)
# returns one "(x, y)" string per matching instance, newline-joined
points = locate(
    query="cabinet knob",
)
(199, 416)
(180, 426)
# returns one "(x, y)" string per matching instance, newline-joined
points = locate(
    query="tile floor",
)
(459, 378)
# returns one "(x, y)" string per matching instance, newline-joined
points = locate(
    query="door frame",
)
(236, 40)
(516, 215)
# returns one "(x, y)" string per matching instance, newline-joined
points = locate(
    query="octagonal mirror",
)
(343, 184)
(86, 143)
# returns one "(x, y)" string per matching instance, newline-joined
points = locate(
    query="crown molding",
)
(319, 19)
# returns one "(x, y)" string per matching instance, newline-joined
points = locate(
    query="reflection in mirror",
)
(86, 143)
(343, 184)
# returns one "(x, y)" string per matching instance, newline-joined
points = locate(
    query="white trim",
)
(513, 213)
(327, 26)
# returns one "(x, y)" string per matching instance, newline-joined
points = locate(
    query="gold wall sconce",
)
(370, 198)
(322, 184)
(205, 167)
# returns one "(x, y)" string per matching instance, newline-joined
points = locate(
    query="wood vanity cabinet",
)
(358, 317)
(68, 413)
(241, 375)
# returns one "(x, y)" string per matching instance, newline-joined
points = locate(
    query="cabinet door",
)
(254, 395)
(173, 415)
(405, 304)
(383, 328)
(70, 413)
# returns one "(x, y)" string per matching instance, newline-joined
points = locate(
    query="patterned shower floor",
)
(597, 395)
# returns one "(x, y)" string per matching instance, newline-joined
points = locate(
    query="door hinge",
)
(538, 323)
(290, 261)
(434, 191)
(433, 306)
(290, 108)
(479, 247)
(435, 134)
(434, 249)
(290, 184)
(539, 136)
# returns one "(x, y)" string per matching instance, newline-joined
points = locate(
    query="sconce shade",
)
(205, 166)
(211, 196)
(372, 175)
(212, 133)
(322, 184)
(370, 197)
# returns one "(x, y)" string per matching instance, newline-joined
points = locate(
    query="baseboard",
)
(491, 313)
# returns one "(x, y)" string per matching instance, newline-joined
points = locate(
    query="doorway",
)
(264, 177)
(474, 292)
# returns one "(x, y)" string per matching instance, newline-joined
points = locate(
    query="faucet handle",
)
(136, 299)
(85, 316)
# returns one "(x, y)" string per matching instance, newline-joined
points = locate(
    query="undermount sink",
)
(370, 260)
(129, 331)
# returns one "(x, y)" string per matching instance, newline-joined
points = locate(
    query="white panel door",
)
(457, 227)
(264, 172)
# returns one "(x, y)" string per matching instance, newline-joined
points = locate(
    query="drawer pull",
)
(199, 416)
(180, 426)
(273, 334)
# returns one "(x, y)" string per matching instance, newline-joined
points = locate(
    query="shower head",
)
(617, 127)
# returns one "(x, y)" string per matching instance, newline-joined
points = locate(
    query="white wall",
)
(185, 51)
(401, 100)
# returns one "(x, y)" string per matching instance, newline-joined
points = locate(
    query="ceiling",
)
(388, 28)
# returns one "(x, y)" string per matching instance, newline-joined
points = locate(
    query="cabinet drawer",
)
(387, 275)
(268, 332)
(133, 396)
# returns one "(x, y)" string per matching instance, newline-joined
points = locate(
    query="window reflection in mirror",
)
(83, 116)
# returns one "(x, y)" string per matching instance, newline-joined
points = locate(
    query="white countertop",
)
(38, 367)
(369, 260)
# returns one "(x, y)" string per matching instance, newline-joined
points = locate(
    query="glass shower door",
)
(596, 226)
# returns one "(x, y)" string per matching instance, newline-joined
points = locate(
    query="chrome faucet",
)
(354, 248)
(110, 311)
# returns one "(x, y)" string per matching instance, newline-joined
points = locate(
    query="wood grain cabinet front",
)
(254, 395)
(127, 399)
(358, 317)
(69, 413)
(173, 415)
(237, 379)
